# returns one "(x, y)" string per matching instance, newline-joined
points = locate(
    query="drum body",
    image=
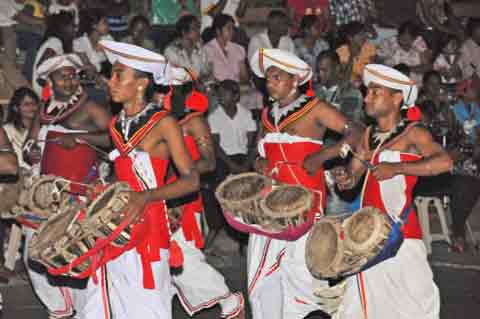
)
(253, 203)
(340, 247)
(60, 240)
(104, 215)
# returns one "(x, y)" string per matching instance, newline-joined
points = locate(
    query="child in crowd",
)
(446, 62)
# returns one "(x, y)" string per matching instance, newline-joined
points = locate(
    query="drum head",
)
(365, 229)
(287, 201)
(242, 187)
(323, 250)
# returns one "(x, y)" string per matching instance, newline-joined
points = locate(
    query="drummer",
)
(136, 283)
(401, 150)
(67, 120)
(189, 107)
(291, 151)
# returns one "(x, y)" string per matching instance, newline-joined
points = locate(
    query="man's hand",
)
(136, 205)
(343, 178)
(312, 163)
(385, 171)
(261, 165)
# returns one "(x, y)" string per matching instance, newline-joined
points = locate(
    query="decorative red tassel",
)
(310, 92)
(176, 255)
(167, 100)
(197, 101)
(414, 114)
(46, 92)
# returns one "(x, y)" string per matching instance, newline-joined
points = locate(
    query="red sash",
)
(73, 164)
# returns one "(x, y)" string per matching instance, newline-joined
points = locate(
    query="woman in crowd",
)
(356, 51)
(58, 39)
(187, 51)
(139, 31)
(227, 58)
(310, 43)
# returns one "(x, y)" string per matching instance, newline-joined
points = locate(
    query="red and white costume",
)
(279, 283)
(135, 280)
(402, 286)
(199, 286)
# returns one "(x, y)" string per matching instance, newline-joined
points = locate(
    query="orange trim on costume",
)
(104, 295)
(138, 136)
(390, 79)
(260, 267)
(290, 119)
(363, 297)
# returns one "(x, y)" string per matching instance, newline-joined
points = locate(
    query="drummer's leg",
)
(57, 300)
(298, 283)
(199, 285)
(264, 279)
(129, 298)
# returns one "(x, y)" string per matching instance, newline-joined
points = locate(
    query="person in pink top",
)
(227, 58)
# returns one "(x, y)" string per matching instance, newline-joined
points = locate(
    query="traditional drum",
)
(286, 206)
(104, 215)
(253, 203)
(340, 247)
(241, 195)
(61, 240)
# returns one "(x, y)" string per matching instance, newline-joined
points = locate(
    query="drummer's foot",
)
(459, 245)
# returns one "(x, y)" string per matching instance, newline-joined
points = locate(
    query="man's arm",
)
(8, 158)
(327, 116)
(101, 117)
(242, 8)
(220, 153)
(435, 159)
(200, 131)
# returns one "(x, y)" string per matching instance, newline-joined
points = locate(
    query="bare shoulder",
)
(419, 133)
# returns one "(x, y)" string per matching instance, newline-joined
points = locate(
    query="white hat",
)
(57, 62)
(137, 58)
(393, 79)
(284, 60)
(175, 75)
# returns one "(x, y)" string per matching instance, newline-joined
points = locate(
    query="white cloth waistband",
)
(283, 138)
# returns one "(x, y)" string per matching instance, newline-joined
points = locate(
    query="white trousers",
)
(279, 283)
(199, 285)
(119, 293)
(58, 300)
(399, 288)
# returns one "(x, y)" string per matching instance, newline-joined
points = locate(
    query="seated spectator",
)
(58, 39)
(187, 51)
(310, 43)
(227, 58)
(297, 9)
(435, 104)
(57, 6)
(467, 110)
(117, 16)
(469, 60)
(336, 91)
(407, 47)
(93, 28)
(344, 12)
(21, 28)
(356, 51)
(446, 62)
(211, 8)
(139, 33)
(275, 36)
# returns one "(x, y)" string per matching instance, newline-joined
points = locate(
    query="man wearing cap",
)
(400, 150)
(188, 106)
(291, 151)
(68, 123)
(134, 280)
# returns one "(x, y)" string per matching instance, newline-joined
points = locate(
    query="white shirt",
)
(261, 40)
(8, 10)
(52, 43)
(56, 8)
(206, 5)
(232, 131)
(83, 45)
